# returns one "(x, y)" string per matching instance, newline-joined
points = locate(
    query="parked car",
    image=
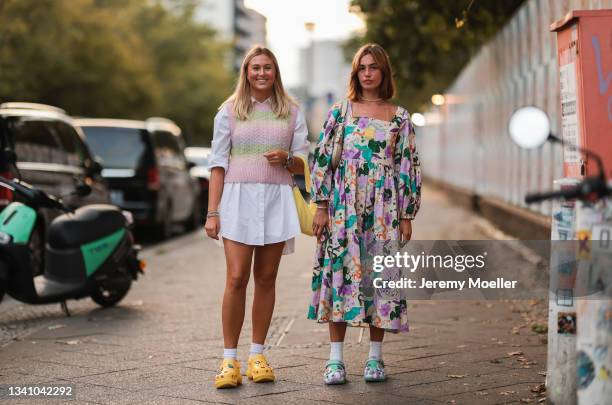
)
(199, 157)
(50, 155)
(145, 166)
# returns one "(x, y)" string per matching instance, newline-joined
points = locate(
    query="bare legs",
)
(238, 258)
(376, 334)
(337, 331)
(267, 259)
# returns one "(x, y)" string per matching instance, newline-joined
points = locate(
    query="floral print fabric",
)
(377, 182)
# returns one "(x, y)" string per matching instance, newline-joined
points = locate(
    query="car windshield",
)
(120, 148)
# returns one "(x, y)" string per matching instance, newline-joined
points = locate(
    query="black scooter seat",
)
(85, 225)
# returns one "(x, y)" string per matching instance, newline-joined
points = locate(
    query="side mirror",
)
(96, 165)
(529, 127)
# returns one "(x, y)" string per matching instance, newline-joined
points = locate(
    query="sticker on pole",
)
(570, 129)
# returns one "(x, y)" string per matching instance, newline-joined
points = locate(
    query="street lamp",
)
(310, 27)
(438, 99)
(418, 119)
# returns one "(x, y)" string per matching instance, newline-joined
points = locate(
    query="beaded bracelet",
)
(211, 214)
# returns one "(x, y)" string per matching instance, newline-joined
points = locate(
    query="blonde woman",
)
(259, 140)
(372, 196)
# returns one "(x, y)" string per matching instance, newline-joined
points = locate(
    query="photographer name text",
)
(443, 284)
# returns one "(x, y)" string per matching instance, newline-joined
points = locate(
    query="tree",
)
(189, 64)
(429, 41)
(75, 55)
(114, 58)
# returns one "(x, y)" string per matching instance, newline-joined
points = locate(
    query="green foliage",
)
(426, 47)
(114, 58)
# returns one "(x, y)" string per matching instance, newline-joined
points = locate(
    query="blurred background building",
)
(235, 23)
(324, 73)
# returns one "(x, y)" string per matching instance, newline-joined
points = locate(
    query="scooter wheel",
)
(107, 295)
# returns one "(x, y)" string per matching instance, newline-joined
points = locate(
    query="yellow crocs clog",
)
(259, 370)
(229, 376)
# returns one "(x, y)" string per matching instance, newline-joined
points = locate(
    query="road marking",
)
(282, 336)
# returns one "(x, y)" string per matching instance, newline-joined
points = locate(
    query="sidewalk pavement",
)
(163, 344)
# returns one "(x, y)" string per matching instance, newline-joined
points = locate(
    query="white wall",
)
(470, 146)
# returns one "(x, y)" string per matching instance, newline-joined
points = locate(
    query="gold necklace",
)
(371, 101)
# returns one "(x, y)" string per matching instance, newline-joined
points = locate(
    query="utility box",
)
(584, 50)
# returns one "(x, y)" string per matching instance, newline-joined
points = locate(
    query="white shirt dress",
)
(257, 213)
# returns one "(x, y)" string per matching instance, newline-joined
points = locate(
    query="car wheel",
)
(195, 219)
(164, 230)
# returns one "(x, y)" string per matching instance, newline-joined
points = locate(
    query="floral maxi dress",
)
(377, 183)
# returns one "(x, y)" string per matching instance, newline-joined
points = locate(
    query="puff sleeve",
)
(408, 170)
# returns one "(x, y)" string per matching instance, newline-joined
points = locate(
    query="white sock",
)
(376, 350)
(230, 353)
(256, 348)
(336, 350)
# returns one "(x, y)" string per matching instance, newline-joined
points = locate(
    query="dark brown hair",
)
(387, 86)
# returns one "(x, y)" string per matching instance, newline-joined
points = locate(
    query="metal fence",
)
(465, 142)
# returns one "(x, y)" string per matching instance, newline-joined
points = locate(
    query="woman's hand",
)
(320, 222)
(276, 157)
(212, 227)
(405, 229)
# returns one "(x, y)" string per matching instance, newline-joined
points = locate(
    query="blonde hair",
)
(387, 86)
(241, 97)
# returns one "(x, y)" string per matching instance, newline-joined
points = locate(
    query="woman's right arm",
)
(321, 179)
(218, 164)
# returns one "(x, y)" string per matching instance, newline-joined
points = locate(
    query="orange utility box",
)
(584, 50)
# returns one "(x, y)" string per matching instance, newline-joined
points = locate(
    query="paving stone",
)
(163, 343)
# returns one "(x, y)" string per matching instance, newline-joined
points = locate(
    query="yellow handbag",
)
(306, 210)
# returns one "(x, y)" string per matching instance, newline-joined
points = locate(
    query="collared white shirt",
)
(257, 213)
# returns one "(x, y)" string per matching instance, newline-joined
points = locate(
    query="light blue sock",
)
(256, 348)
(230, 353)
(375, 350)
(336, 351)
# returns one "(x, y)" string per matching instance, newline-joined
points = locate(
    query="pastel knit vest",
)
(262, 132)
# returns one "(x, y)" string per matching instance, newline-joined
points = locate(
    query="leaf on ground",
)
(542, 373)
(457, 375)
(54, 327)
(526, 400)
(515, 354)
(538, 388)
(68, 342)
(539, 328)
(507, 392)
(495, 361)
